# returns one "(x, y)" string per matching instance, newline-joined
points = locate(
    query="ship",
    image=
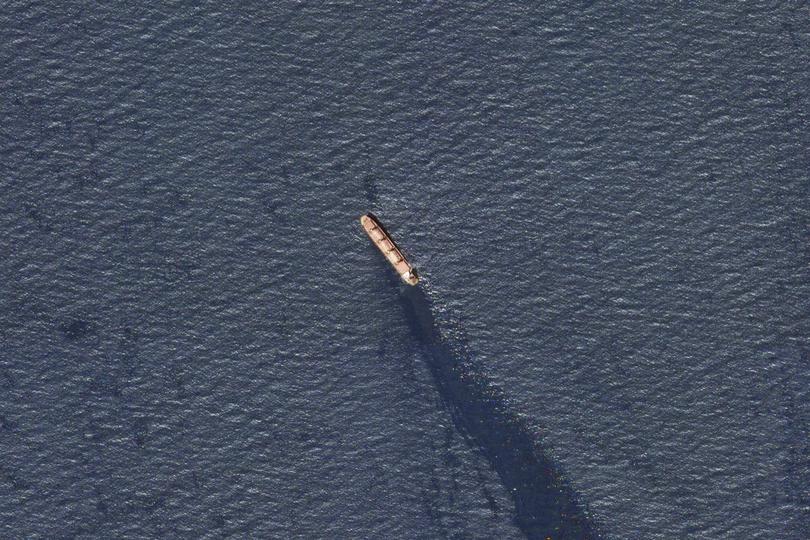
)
(375, 230)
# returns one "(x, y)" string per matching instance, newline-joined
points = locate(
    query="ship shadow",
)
(545, 506)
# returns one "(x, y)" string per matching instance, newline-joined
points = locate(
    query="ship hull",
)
(380, 237)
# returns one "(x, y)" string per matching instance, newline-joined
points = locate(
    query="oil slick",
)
(545, 506)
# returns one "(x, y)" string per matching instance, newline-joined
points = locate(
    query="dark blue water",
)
(608, 205)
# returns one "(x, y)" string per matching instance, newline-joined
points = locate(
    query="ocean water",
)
(608, 204)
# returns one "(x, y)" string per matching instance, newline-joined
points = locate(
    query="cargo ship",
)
(375, 230)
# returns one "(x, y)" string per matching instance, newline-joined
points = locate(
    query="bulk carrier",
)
(375, 230)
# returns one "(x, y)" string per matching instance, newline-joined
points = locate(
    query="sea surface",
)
(608, 202)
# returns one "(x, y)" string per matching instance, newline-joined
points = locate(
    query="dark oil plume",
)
(545, 506)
